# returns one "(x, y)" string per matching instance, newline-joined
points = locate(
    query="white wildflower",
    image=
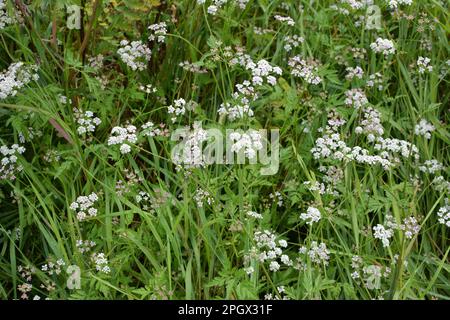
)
(288, 20)
(101, 263)
(355, 98)
(305, 69)
(178, 108)
(84, 206)
(158, 32)
(424, 128)
(8, 164)
(86, 121)
(356, 72)
(384, 46)
(444, 214)
(249, 142)
(291, 42)
(123, 136)
(380, 232)
(135, 54)
(312, 215)
(17, 76)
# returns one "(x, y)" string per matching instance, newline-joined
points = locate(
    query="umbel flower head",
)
(84, 206)
(17, 76)
(123, 136)
(135, 54)
(8, 164)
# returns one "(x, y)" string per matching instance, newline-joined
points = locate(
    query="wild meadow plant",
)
(224, 149)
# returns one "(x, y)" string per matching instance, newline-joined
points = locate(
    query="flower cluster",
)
(86, 121)
(356, 265)
(373, 274)
(53, 268)
(287, 20)
(393, 4)
(96, 62)
(150, 203)
(178, 108)
(160, 198)
(384, 46)
(375, 81)
(280, 291)
(85, 245)
(382, 233)
(269, 249)
(26, 272)
(390, 148)
(5, 18)
(135, 54)
(245, 91)
(291, 42)
(317, 252)
(423, 65)
(125, 136)
(84, 206)
(333, 174)
(262, 70)
(24, 288)
(431, 166)
(361, 155)
(370, 124)
(149, 129)
(101, 263)
(444, 214)
(440, 184)
(254, 214)
(355, 98)
(277, 198)
(31, 134)
(17, 76)
(424, 128)
(218, 4)
(242, 3)
(235, 111)
(192, 67)
(143, 197)
(410, 227)
(15, 234)
(239, 106)
(352, 4)
(63, 99)
(312, 215)
(261, 31)
(158, 32)
(331, 146)
(47, 285)
(356, 72)
(148, 88)
(190, 155)
(315, 186)
(305, 69)
(201, 196)
(249, 142)
(131, 179)
(8, 164)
